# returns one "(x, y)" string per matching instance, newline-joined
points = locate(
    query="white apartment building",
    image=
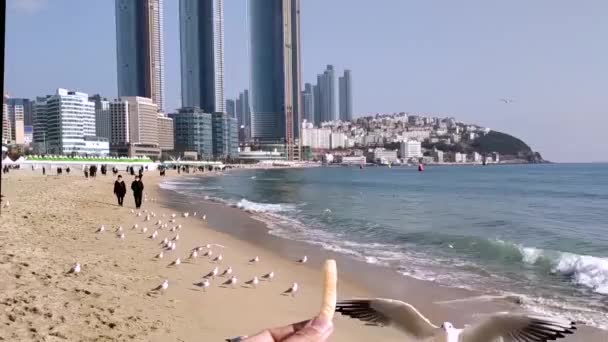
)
(476, 157)
(410, 149)
(417, 133)
(460, 157)
(6, 124)
(316, 138)
(70, 117)
(338, 140)
(165, 133)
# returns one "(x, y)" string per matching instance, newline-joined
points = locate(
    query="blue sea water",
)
(536, 231)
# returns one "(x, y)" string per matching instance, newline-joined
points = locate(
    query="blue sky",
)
(445, 58)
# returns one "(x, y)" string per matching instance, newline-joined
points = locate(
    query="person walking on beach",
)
(120, 190)
(67, 170)
(43, 171)
(138, 188)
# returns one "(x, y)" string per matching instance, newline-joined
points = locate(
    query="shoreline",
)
(465, 304)
(45, 231)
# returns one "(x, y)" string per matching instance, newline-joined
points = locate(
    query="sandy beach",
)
(51, 223)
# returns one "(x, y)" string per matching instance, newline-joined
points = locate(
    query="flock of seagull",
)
(209, 251)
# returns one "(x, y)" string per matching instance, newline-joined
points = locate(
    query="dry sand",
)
(51, 224)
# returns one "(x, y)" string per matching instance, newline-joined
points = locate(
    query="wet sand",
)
(51, 224)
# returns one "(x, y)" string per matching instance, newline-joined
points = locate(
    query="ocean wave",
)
(256, 207)
(583, 270)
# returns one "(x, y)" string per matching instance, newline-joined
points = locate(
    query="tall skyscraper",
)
(202, 54)
(231, 108)
(139, 49)
(275, 72)
(239, 109)
(316, 94)
(346, 96)
(328, 94)
(308, 103)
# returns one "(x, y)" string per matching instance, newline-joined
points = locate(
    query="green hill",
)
(500, 142)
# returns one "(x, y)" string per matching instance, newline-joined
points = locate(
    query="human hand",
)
(314, 330)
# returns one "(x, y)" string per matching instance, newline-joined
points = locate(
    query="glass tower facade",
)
(275, 70)
(193, 131)
(139, 49)
(202, 54)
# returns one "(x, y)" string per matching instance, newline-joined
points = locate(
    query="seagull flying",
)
(303, 260)
(231, 282)
(213, 273)
(253, 282)
(292, 290)
(405, 317)
(506, 101)
(75, 269)
(268, 276)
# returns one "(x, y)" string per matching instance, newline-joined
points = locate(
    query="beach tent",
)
(7, 161)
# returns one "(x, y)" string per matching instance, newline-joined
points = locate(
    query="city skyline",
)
(461, 71)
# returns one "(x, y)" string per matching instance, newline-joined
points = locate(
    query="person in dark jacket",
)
(138, 189)
(120, 190)
(67, 169)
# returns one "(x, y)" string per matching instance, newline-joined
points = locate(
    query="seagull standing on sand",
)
(204, 217)
(100, 229)
(186, 215)
(176, 262)
(292, 290)
(218, 259)
(194, 214)
(253, 282)
(194, 254)
(226, 272)
(132, 211)
(268, 276)
(205, 283)
(498, 327)
(176, 237)
(75, 269)
(208, 253)
(121, 236)
(255, 260)
(7, 204)
(119, 229)
(173, 215)
(165, 242)
(138, 214)
(154, 235)
(160, 255)
(213, 273)
(162, 287)
(231, 282)
(303, 260)
(135, 226)
(173, 246)
(144, 229)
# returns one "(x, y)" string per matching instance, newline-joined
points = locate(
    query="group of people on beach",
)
(137, 186)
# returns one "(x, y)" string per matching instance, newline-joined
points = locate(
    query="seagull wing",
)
(518, 327)
(384, 312)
